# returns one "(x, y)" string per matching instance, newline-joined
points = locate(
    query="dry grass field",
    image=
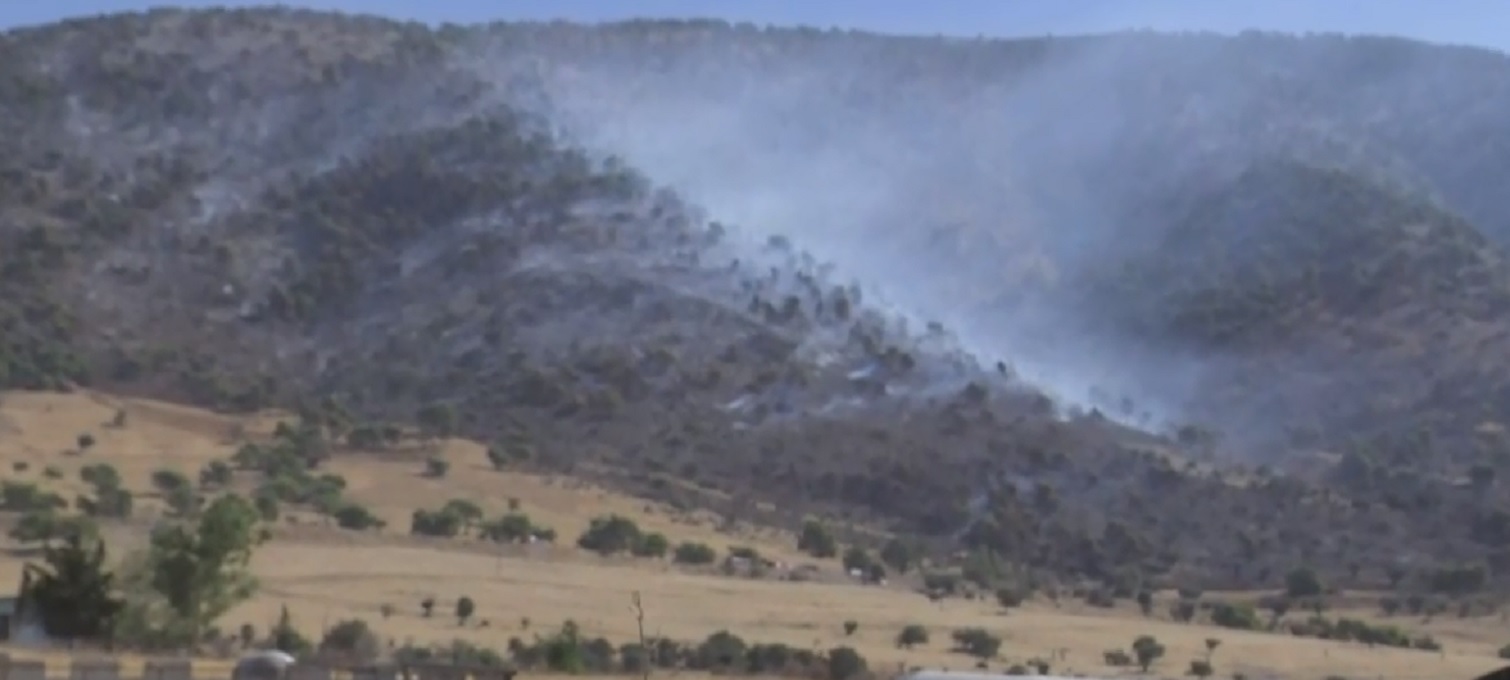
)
(324, 575)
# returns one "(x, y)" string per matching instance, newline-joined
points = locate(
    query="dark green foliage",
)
(912, 635)
(817, 540)
(694, 553)
(976, 642)
(73, 590)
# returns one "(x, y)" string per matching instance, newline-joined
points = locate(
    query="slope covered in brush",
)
(250, 208)
(1323, 300)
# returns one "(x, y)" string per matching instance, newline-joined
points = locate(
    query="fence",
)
(183, 669)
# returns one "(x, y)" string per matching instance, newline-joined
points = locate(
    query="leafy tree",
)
(817, 540)
(912, 635)
(977, 642)
(286, 638)
(694, 553)
(464, 609)
(435, 523)
(436, 421)
(609, 535)
(167, 481)
(850, 627)
(73, 590)
(468, 512)
(510, 528)
(28, 497)
(898, 555)
(1303, 582)
(201, 570)
(1147, 649)
(653, 544)
(216, 473)
(436, 467)
(112, 502)
(353, 638)
(357, 518)
(100, 476)
(40, 526)
(498, 457)
(845, 663)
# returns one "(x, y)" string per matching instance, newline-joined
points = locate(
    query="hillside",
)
(325, 575)
(661, 254)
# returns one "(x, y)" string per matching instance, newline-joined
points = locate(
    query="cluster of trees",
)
(193, 571)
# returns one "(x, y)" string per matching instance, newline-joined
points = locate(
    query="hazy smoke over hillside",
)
(897, 191)
(989, 202)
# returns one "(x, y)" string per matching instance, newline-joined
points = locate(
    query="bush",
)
(1240, 616)
(513, 527)
(609, 535)
(912, 635)
(845, 663)
(817, 540)
(977, 642)
(352, 637)
(434, 523)
(652, 545)
(1148, 650)
(357, 518)
(694, 553)
(1303, 582)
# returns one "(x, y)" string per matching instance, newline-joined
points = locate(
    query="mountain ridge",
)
(254, 207)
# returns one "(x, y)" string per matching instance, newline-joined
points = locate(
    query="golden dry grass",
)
(324, 575)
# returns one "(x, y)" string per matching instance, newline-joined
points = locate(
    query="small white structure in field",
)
(268, 664)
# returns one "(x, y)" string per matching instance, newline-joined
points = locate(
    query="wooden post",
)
(639, 619)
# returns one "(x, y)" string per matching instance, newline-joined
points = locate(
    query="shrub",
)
(694, 553)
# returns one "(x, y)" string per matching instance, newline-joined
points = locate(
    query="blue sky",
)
(1476, 22)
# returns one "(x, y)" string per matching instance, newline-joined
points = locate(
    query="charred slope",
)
(1006, 178)
(351, 214)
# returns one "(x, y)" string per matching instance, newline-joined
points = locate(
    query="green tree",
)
(215, 474)
(609, 535)
(977, 642)
(1303, 582)
(286, 638)
(911, 635)
(1147, 649)
(653, 544)
(898, 555)
(694, 553)
(41, 526)
(817, 540)
(436, 421)
(201, 570)
(464, 609)
(510, 528)
(72, 590)
(845, 663)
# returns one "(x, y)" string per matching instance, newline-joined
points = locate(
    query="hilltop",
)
(815, 272)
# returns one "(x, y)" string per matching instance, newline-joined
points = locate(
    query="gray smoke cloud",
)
(981, 200)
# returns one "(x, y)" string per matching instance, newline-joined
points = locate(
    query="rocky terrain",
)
(1039, 297)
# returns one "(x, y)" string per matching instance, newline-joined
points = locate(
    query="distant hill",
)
(654, 250)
